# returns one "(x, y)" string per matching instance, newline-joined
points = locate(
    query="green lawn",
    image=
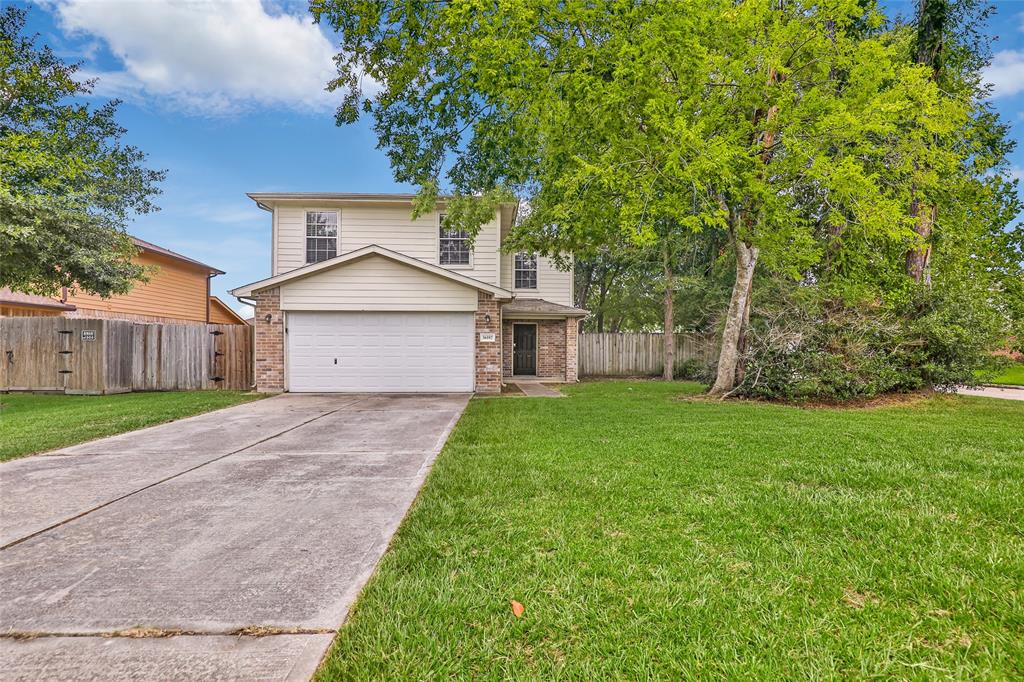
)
(652, 537)
(1011, 376)
(32, 423)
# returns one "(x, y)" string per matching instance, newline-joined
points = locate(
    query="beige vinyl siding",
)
(376, 283)
(291, 239)
(391, 227)
(552, 284)
(175, 291)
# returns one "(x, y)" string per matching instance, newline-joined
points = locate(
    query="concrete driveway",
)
(230, 545)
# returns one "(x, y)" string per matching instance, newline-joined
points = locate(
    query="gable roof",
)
(371, 250)
(16, 298)
(153, 248)
(226, 309)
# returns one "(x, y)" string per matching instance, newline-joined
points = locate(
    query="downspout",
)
(209, 277)
(252, 331)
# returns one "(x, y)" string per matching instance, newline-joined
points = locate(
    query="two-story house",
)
(362, 297)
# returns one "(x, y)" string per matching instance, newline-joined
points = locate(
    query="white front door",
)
(380, 352)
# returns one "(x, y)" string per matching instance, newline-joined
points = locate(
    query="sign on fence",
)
(98, 356)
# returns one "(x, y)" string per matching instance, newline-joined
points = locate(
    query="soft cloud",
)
(208, 57)
(1006, 73)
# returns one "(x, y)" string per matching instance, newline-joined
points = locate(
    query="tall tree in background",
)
(67, 183)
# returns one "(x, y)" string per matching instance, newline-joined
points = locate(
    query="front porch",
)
(539, 341)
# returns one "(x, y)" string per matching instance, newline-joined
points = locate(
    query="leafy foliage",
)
(808, 135)
(67, 183)
(807, 348)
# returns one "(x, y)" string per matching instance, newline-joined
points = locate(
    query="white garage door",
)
(380, 352)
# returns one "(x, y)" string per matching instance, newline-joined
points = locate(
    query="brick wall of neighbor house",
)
(269, 342)
(551, 345)
(488, 353)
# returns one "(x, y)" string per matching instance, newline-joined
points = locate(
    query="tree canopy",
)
(67, 183)
(805, 132)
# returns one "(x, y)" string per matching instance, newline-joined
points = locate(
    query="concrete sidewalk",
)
(230, 545)
(994, 392)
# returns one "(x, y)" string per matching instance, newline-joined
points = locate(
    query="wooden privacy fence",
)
(638, 354)
(99, 356)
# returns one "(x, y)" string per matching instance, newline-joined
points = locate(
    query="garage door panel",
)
(380, 351)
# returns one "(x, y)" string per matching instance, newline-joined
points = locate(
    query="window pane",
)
(525, 271)
(321, 235)
(454, 245)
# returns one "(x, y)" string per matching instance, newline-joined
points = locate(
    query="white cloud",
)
(208, 57)
(1006, 73)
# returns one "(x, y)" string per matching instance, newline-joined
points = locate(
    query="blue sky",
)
(228, 97)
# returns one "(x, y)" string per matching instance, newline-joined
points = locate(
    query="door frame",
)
(536, 345)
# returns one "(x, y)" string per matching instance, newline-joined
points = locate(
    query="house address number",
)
(88, 335)
(487, 336)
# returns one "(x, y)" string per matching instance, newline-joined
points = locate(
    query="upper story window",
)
(453, 246)
(525, 271)
(321, 235)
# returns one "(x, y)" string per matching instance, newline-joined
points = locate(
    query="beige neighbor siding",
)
(376, 283)
(390, 226)
(552, 284)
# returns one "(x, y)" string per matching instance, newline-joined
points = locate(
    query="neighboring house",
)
(16, 304)
(221, 313)
(362, 297)
(178, 291)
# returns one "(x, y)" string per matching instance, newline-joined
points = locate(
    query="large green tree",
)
(799, 129)
(67, 183)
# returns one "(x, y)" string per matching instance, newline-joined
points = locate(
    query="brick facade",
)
(488, 353)
(556, 348)
(572, 338)
(556, 345)
(269, 350)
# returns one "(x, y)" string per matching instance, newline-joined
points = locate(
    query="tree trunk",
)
(729, 357)
(669, 333)
(919, 256)
(932, 20)
(741, 346)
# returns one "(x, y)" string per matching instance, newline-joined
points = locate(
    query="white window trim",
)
(536, 272)
(337, 237)
(458, 266)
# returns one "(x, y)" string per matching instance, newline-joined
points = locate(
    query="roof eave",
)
(248, 290)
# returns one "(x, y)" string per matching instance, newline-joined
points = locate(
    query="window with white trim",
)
(525, 271)
(321, 235)
(453, 245)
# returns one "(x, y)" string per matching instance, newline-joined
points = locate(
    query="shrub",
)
(804, 348)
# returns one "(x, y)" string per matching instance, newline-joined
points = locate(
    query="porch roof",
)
(538, 308)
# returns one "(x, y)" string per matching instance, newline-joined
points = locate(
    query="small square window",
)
(321, 235)
(453, 246)
(526, 271)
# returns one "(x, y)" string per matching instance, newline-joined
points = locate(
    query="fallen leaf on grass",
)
(518, 609)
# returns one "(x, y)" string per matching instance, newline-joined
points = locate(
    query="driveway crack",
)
(159, 633)
(68, 520)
